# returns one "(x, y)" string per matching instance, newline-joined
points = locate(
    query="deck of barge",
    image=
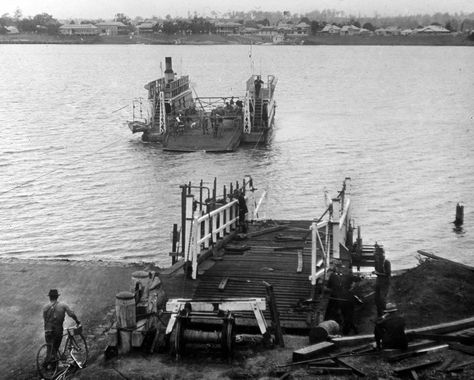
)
(270, 257)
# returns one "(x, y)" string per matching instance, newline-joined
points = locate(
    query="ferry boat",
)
(180, 122)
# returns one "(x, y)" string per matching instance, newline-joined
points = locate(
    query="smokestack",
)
(169, 74)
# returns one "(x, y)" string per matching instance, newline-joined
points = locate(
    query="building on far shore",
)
(228, 27)
(147, 27)
(331, 29)
(433, 29)
(112, 28)
(12, 30)
(79, 30)
(349, 30)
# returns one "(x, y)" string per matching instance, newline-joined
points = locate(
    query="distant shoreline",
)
(212, 39)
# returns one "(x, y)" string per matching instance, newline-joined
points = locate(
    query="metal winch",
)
(209, 322)
(203, 328)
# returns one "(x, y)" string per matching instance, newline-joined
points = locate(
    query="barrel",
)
(321, 332)
(125, 310)
(143, 278)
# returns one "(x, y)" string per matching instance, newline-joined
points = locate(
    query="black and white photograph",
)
(233, 190)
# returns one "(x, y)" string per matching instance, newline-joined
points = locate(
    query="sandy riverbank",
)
(428, 294)
(89, 288)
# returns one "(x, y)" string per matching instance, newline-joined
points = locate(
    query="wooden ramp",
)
(270, 257)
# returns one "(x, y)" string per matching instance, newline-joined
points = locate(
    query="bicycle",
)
(73, 354)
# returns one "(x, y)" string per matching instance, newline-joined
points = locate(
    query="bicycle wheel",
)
(46, 364)
(76, 347)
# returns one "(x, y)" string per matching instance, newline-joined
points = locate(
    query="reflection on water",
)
(76, 184)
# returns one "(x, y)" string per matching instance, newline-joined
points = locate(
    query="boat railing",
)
(140, 110)
(268, 86)
(170, 89)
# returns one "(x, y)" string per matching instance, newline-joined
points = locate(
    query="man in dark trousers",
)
(53, 316)
(243, 210)
(258, 85)
(382, 283)
(390, 329)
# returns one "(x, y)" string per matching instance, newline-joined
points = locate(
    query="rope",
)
(59, 168)
(120, 108)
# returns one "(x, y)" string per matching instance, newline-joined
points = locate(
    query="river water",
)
(76, 184)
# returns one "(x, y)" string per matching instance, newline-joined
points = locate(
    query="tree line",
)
(196, 24)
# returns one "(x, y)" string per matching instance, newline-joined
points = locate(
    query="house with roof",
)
(12, 30)
(112, 28)
(148, 27)
(331, 29)
(301, 29)
(406, 32)
(432, 29)
(79, 30)
(389, 31)
(349, 30)
(267, 31)
(228, 27)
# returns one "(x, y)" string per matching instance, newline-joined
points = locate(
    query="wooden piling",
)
(459, 215)
(174, 245)
(275, 315)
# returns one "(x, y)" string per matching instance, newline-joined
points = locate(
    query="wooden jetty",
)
(293, 256)
(230, 275)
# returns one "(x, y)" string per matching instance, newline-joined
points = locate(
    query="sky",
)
(106, 9)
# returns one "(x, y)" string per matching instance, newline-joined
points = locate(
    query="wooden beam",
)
(223, 284)
(442, 328)
(435, 257)
(442, 338)
(299, 269)
(460, 366)
(409, 354)
(416, 366)
(330, 370)
(275, 315)
(265, 231)
(462, 348)
(356, 370)
(311, 351)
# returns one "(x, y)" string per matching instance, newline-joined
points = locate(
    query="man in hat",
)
(53, 316)
(390, 329)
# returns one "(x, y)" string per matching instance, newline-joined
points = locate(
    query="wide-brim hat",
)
(53, 293)
(390, 308)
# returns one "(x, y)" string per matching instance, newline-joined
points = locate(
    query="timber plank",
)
(309, 352)
(417, 366)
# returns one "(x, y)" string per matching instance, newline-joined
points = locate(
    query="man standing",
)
(258, 85)
(243, 210)
(382, 283)
(390, 329)
(53, 316)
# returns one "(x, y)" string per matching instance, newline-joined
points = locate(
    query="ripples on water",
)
(398, 120)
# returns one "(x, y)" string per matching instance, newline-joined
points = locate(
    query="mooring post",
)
(175, 241)
(200, 194)
(313, 258)
(214, 190)
(274, 314)
(183, 219)
(459, 215)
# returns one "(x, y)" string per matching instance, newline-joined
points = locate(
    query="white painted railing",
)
(208, 228)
